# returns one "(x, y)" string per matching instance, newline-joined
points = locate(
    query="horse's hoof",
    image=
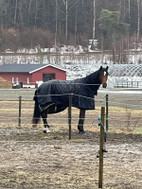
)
(82, 132)
(46, 130)
(98, 155)
(104, 150)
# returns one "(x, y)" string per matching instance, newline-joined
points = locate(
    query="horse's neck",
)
(93, 80)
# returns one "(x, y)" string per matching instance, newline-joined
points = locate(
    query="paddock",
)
(32, 159)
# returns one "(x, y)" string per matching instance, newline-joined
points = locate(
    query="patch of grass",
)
(137, 131)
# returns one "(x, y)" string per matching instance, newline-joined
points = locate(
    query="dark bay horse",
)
(53, 96)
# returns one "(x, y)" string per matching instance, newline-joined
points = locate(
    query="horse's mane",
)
(93, 80)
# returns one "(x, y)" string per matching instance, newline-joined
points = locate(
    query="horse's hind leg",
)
(81, 121)
(44, 118)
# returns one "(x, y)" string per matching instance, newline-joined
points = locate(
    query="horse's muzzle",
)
(104, 85)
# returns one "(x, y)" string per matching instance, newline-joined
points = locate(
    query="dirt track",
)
(30, 159)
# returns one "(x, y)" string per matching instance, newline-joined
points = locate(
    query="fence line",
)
(91, 119)
(126, 104)
(109, 118)
(66, 82)
(68, 94)
(124, 120)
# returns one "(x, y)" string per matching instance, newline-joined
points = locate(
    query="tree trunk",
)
(75, 26)
(94, 25)
(21, 14)
(66, 20)
(29, 11)
(15, 13)
(129, 8)
(102, 47)
(36, 12)
(113, 49)
(56, 30)
(138, 20)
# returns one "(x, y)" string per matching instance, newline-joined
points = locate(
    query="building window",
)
(49, 76)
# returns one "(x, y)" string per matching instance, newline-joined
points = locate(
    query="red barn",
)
(30, 74)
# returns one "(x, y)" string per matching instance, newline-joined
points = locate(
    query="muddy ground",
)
(30, 159)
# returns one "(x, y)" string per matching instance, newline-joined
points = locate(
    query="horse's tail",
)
(36, 114)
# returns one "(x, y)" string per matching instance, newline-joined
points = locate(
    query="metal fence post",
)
(19, 120)
(107, 112)
(69, 114)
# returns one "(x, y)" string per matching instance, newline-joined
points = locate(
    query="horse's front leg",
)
(81, 121)
(44, 118)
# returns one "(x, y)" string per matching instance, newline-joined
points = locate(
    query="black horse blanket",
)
(57, 92)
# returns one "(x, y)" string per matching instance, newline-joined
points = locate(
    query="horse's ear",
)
(107, 68)
(101, 67)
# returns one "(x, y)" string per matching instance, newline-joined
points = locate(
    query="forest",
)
(114, 23)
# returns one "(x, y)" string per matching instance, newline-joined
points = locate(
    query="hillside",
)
(29, 23)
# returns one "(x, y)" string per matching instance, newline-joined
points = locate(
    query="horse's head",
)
(103, 76)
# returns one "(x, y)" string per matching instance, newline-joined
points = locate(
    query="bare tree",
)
(75, 26)
(94, 23)
(66, 20)
(56, 30)
(66, 13)
(129, 8)
(36, 11)
(15, 13)
(29, 10)
(138, 20)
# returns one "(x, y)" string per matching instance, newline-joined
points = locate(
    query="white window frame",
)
(17, 80)
(28, 80)
(12, 79)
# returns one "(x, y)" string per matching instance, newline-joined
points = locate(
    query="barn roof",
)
(25, 68)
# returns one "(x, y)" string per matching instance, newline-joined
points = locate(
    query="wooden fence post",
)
(101, 147)
(19, 120)
(69, 115)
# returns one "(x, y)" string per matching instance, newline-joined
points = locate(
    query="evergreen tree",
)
(112, 29)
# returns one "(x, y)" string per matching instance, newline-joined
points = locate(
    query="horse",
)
(53, 96)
